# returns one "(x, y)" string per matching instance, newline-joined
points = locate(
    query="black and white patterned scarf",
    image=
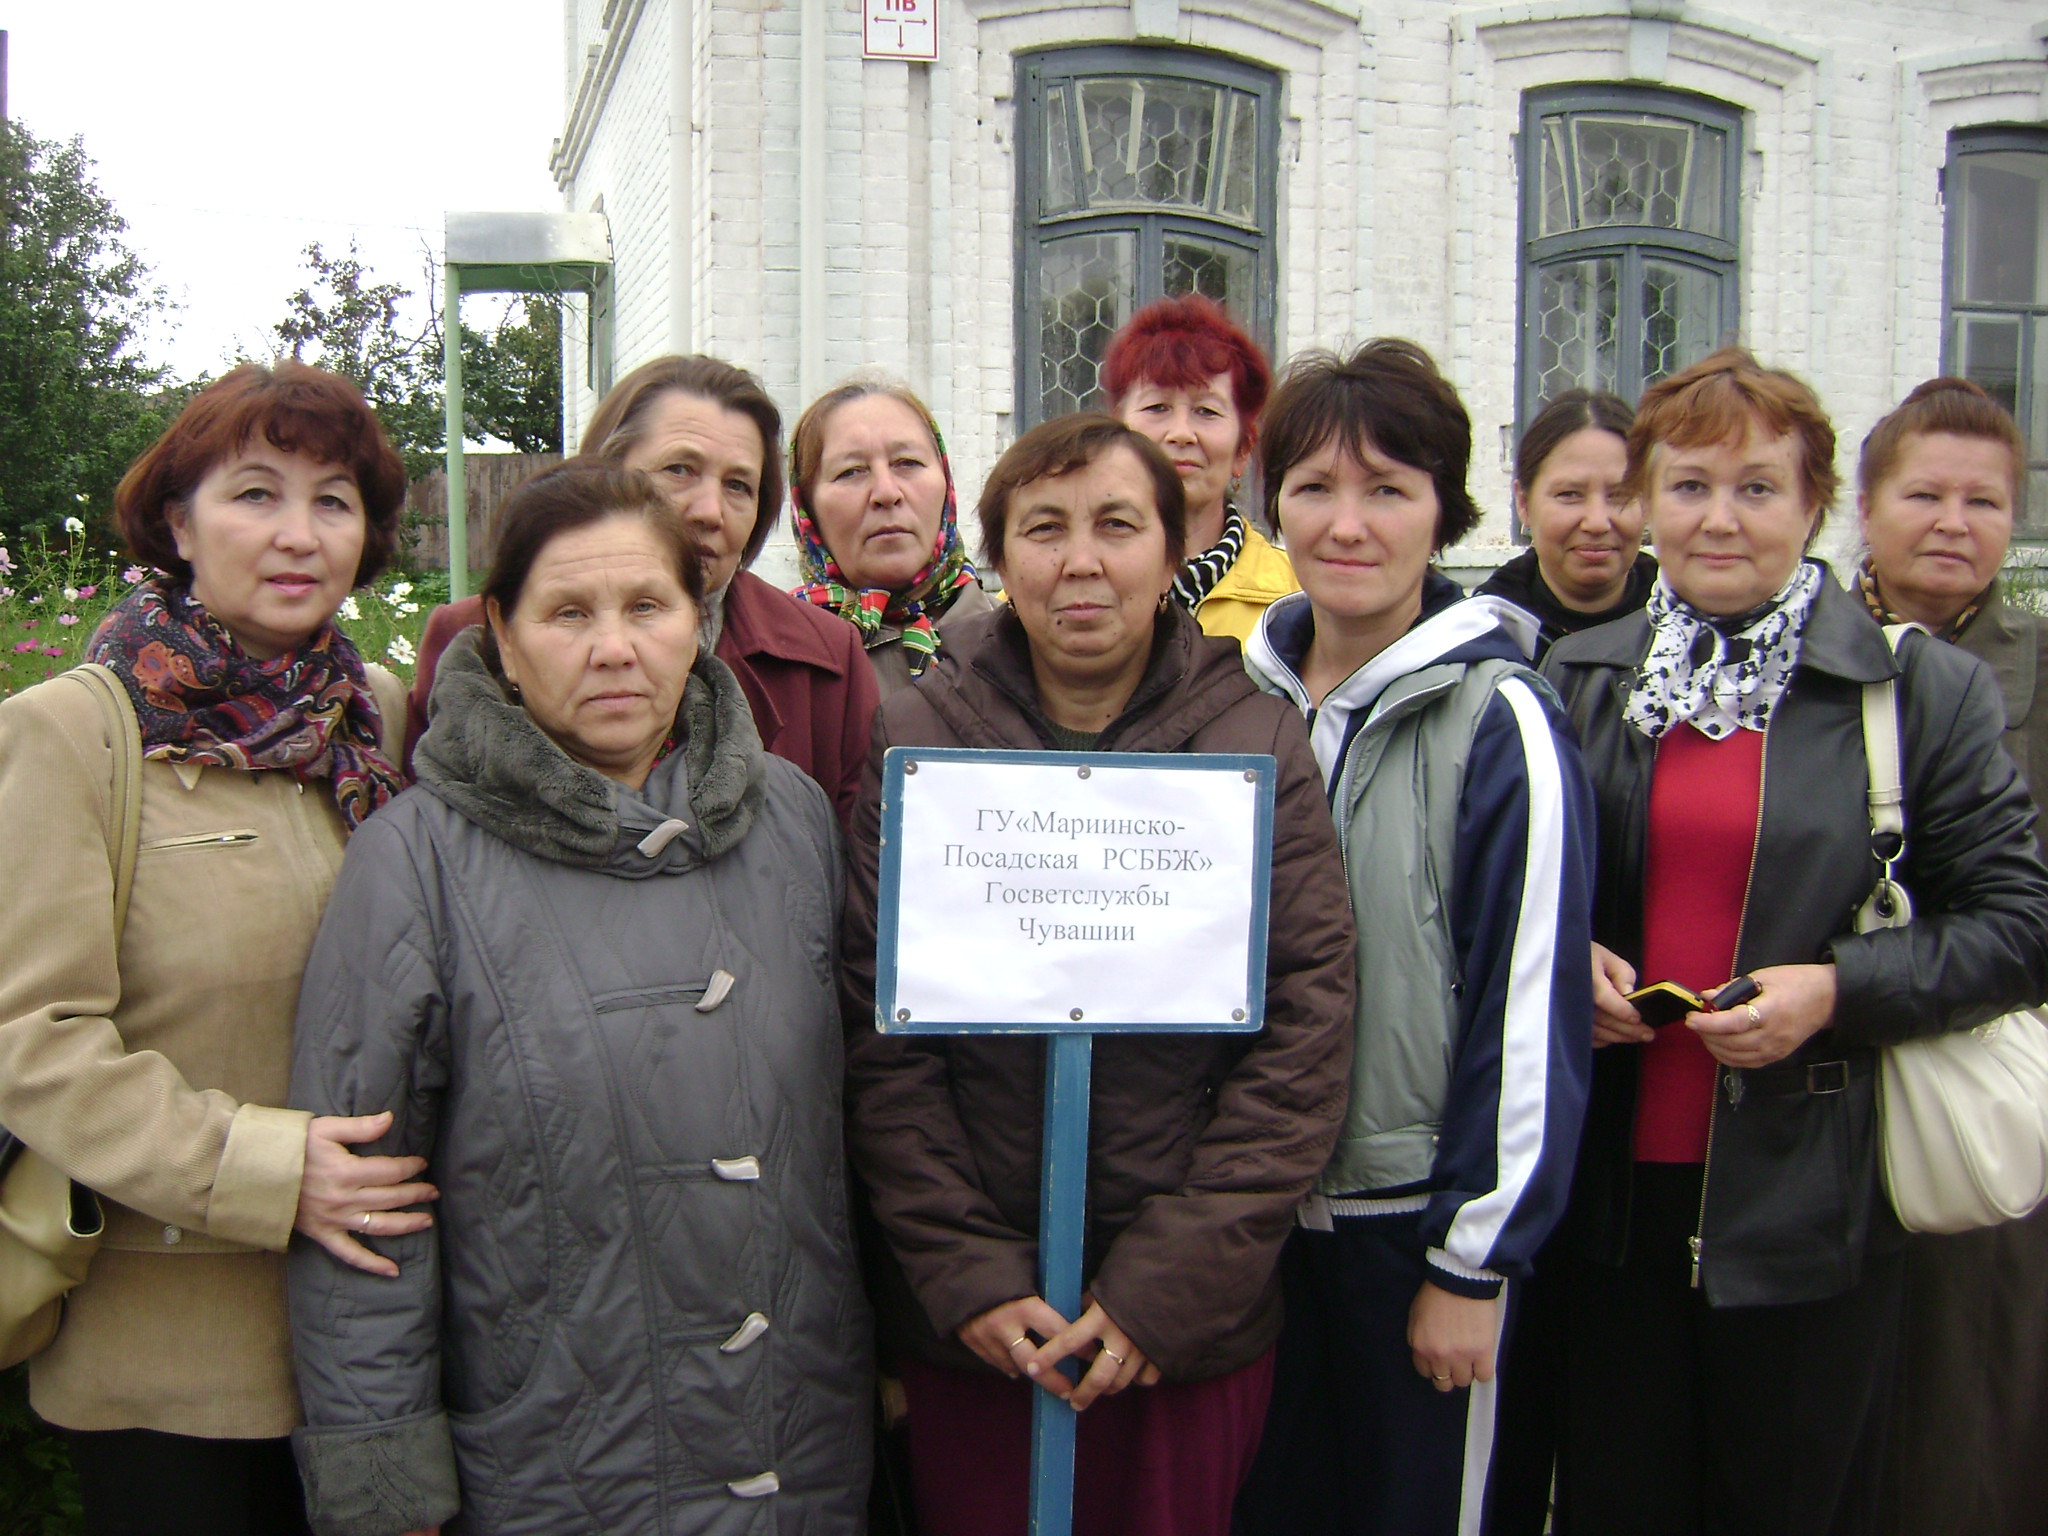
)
(1721, 675)
(1200, 573)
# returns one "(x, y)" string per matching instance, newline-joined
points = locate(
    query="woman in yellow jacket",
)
(149, 1063)
(1185, 374)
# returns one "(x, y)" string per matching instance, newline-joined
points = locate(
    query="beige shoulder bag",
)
(50, 1225)
(1964, 1115)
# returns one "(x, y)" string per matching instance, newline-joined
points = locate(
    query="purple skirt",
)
(1151, 1461)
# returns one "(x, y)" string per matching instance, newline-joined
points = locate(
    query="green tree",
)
(345, 321)
(342, 318)
(512, 377)
(78, 401)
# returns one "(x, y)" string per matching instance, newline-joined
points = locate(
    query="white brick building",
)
(1772, 168)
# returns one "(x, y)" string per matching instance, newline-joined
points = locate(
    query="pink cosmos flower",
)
(133, 574)
(87, 591)
(22, 646)
(30, 623)
(53, 650)
(67, 619)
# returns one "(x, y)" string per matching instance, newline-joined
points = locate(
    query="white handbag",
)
(1963, 1116)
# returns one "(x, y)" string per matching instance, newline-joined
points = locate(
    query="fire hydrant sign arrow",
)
(1071, 894)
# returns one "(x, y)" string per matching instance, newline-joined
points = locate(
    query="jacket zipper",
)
(1724, 1077)
(201, 840)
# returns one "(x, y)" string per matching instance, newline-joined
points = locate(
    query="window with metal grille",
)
(1629, 237)
(1143, 173)
(1995, 327)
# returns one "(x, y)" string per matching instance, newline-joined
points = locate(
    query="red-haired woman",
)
(1185, 374)
(148, 1061)
(1734, 1270)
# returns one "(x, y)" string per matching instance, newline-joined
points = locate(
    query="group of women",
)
(615, 1207)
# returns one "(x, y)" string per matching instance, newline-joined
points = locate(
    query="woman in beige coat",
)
(147, 1063)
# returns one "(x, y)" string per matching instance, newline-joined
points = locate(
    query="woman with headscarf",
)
(877, 525)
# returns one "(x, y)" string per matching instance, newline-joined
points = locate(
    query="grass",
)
(53, 596)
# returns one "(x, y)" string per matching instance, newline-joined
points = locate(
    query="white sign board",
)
(900, 29)
(1047, 892)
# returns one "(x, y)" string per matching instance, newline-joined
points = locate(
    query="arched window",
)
(1996, 292)
(1143, 172)
(1629, 237)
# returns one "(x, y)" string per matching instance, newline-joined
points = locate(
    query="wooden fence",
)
(488, 478)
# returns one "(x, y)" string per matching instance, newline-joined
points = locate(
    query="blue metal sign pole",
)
(1062, 1224)
(1069, 1053)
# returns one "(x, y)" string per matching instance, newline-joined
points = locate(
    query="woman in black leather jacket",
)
(1735, 1266)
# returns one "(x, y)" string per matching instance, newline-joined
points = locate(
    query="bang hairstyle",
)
(294, 408)
(1183, 343)
(1388, 397)
(1718, 400)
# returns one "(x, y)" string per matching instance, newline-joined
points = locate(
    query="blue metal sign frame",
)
(1069, 1064)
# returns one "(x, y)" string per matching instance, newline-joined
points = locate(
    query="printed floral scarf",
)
(201, 699)
(911, 608)
(1880, 610)
(1721, 675)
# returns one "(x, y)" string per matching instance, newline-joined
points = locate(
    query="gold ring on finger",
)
(1020, 1339)
(365, 1223)
(1119, 1359)
(1756, 1019)
(1439, 1378)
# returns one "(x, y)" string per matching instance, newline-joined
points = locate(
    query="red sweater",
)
(1705, 797)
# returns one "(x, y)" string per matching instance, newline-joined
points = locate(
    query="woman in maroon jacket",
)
(710, 436)
(1203, 1144)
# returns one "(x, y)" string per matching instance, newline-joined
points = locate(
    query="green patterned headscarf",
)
(911, 608)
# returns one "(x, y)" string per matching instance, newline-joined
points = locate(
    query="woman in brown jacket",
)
(1203, 1144)
(148, 1062)
(1939, 487)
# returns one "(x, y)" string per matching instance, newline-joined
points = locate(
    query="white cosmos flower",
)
(73, 526)
(400, 650)
(351, 609)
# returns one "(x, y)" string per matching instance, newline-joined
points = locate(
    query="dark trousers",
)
(1530, 1404)
(140, 1482)
(1357, 1442)
(1689, 1420)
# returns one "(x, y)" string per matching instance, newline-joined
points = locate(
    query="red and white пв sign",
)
(901, 29)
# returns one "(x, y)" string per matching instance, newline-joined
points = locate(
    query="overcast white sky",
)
(230, 133)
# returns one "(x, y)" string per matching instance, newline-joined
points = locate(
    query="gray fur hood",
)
(486, 758)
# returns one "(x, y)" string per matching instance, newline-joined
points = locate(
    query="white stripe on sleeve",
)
(1525, 1025)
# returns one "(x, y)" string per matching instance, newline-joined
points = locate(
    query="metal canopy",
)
(516, 253)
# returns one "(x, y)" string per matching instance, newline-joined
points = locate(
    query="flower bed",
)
(53, 596)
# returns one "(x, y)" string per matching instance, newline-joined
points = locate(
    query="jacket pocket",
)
(720, 1411)
(526, 1386)
(237, 837)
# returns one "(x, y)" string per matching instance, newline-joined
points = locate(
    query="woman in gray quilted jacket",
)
(587, 964)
